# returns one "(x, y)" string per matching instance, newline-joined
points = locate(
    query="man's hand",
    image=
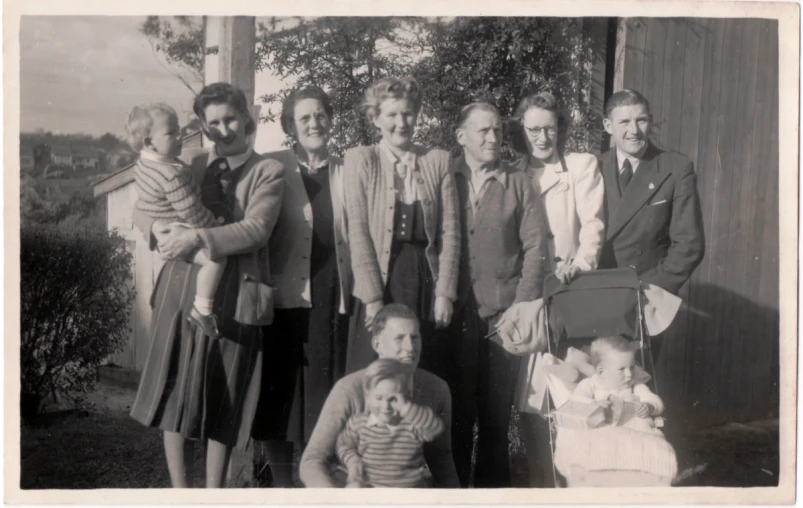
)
(567, 273)
(175, 242)
(443, 312)
(370, 311)
(643, 410)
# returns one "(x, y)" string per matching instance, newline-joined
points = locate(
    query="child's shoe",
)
(208, 324)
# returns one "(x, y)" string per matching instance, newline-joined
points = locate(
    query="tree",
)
(456, 61)
(501, 60)
(179, 46)
(75, 302)
(342, 56)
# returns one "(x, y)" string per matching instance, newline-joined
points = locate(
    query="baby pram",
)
(597, 303)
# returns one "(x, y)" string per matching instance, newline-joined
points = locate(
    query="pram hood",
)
(597, 303)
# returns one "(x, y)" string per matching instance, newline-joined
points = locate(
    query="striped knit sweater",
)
(166, 191)
(370, 202)
(390, 456)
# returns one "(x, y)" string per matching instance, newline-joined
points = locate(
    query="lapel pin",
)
(651, 186)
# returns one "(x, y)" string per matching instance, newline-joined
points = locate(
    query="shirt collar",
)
(234, 161)
(498, 173)
(621, 157)
(150, 156)
(373, 421)
(408, 159)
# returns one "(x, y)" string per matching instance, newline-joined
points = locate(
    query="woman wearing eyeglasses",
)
(571, 187)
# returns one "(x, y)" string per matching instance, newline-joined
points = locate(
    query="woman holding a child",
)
(199, 386)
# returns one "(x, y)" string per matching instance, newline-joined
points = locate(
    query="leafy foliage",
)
(75, 303)
(342, 56)
(456, 60)
(178, 44)
(501, 60)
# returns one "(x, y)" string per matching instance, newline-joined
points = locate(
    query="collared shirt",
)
(233, 161)
(621, 157)
(150, 156)
(373, 421)
(404, 167)
(477, 181)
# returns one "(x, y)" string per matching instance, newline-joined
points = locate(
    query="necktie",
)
(625, 175)
(214, 189)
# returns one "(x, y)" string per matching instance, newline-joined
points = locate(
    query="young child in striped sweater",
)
(384, 447)
(166, 191)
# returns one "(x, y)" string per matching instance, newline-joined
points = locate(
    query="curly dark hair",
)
(298, 95)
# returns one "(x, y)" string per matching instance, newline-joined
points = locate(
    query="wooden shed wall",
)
(713, 90)
(145, 267)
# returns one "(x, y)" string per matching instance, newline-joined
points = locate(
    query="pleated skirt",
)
(199, 387)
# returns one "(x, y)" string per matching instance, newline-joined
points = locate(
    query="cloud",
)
(82, 73)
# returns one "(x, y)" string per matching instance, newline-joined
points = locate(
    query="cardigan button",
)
(550, 235)
(638, 252)
(557, 259)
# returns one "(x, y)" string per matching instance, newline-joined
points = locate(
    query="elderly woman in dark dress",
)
(193, 387)
(311, 270)
(403, 226)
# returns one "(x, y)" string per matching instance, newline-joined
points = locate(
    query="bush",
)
(75, 304)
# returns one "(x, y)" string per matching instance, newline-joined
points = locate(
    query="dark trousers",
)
(482, 383)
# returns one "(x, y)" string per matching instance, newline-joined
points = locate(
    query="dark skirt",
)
(305, 349)
(410, 282)
(199, 387)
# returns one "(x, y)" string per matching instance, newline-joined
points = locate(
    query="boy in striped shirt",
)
(384, 447)
(166, 191)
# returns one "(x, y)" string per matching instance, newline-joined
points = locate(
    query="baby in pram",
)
(623, 448)
(628, 401)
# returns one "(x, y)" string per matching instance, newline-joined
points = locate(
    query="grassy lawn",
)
(99, 450)
(91, 451)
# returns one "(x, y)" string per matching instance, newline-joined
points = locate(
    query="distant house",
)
(27, 159)
(85, 157)
(61, 156)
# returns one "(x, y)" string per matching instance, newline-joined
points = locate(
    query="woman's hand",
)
(443, 311)
(567, 273)
(176, 242)
(370, 311)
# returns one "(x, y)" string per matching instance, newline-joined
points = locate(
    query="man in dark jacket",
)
(653, 217)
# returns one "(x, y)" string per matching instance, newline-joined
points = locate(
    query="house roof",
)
(61, 151)
(114, 181)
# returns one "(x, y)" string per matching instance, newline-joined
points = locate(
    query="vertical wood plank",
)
(768, 289)
(634, 53)
(689, 142)
(653, 87)
(673, 82)
(725, 177)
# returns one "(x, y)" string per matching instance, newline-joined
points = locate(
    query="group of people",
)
(362, 307)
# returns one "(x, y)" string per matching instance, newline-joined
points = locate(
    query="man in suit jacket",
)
(503, 263)
(653, 216)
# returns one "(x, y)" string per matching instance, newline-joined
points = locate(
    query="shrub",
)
(75, 300)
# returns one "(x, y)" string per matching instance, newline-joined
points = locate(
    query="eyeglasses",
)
(549, 132)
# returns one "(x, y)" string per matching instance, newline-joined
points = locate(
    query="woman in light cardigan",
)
(403, 225)
(311, 271)
(571, 187)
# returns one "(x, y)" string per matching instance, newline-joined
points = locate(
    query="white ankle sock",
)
(204, 306)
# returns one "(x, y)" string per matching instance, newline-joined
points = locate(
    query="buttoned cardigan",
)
(371, 201)
(291, 242)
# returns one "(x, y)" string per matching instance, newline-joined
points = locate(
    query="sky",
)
(84, 73)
